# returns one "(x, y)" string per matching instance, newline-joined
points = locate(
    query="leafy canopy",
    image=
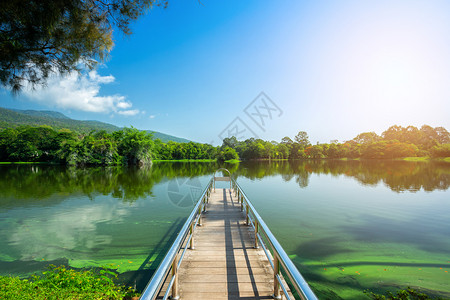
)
(38, 38)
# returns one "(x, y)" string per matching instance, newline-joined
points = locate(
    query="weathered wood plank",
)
(224, 263)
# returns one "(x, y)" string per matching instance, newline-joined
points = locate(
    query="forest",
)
(131, 146)
(395, 142)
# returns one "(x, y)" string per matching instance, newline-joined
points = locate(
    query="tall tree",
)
(367, 138)
(45, 36)
(286, 140)
(303, 139)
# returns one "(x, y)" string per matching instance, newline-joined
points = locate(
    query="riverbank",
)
(235, 161)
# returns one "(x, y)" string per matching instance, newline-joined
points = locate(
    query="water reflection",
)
(25, 184)
(53, 232)
(399, 176)
(129, 216)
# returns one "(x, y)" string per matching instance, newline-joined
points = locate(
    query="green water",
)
(349, 226)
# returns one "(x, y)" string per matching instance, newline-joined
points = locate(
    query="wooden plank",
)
(224, 263)
(222, 178)
(233, 266)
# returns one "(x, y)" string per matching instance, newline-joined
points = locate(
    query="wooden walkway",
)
(224, 263)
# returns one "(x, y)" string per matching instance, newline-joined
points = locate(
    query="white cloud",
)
(81, 92)
(152, 116)
(124, 105)
(131, 112)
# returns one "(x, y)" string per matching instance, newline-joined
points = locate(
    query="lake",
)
(349, 226)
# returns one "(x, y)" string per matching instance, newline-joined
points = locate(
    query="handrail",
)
(222, 178)
(279, 255)
(171, 260)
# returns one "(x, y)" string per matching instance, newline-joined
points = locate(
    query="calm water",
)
(348, 225)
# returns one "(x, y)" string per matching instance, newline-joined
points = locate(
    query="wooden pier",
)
(225, 251)
(224, 263)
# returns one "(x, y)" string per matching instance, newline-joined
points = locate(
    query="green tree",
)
(41, 37)
(394, 132)
(231, 142)
(7, 136)
(287, 141)
(367, 138)
(282, 151)
(441, 151)
(227, 153)
(315, 151)
(303, 139)
(443, 135)
(136, 146)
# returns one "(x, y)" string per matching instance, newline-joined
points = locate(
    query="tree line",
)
(128, 146)
(395, 142)
(131, 146)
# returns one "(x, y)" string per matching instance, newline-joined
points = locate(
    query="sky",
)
(267, 69)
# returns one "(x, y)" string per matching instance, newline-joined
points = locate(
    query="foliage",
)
(396, 142)
(59, 36)
(45, 144)
(62, 283)
(134, 146)
(302, 138)
(227, 153)
(180, 151)
(441, 151)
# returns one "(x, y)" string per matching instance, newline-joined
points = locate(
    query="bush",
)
(227, 153)
(62, 283)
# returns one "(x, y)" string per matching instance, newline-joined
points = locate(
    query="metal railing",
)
(173, 259)
(223, 178)
(278, 259)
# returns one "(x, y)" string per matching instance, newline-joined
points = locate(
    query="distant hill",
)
(15, 117)
(42, 113)
(166, 137)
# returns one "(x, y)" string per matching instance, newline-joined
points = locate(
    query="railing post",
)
(175, 294)
(204, 203)
(276, 284)
(242, 202)
(191, 232)
(246, 216)
(256, 233)
(200, 215)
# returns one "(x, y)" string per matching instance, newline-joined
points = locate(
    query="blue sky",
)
(331, 68)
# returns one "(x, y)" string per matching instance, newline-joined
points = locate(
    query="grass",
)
(232, 161)
(347, 158)
(422, 158)
(62, 283)
(426, 158)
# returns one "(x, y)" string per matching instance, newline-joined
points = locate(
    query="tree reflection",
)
(41, 184)
(399, 176)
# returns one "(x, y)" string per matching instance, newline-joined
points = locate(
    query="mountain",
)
(42, 113)
(15, 117)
